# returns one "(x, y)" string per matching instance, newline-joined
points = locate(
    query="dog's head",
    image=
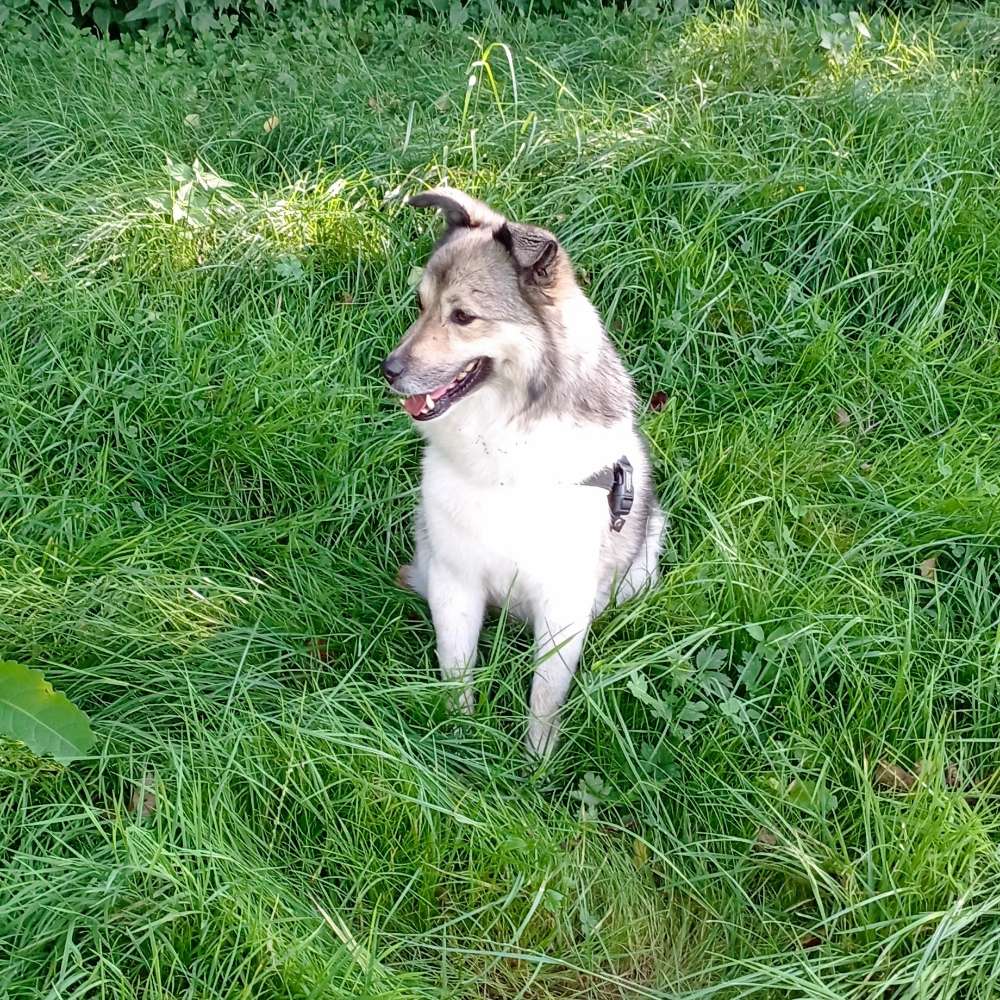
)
(488, 299)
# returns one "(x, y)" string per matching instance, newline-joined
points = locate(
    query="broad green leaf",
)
(693, 711)
(144, 9)
(162, 202)
(639, 687)
(34, 713)
(593, 790)
(734, 709)
(457, 14)
(710, 658)
(102, 18)
(203, 20)
(207, 179)
(180, 172)
(811, 796)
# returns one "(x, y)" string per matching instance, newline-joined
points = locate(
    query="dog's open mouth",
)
(427, 405)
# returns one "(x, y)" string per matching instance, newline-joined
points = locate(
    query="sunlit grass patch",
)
(192, 219)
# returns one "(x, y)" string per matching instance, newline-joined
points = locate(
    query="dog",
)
(536, 488)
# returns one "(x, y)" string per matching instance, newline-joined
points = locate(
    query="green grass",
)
(204, 496)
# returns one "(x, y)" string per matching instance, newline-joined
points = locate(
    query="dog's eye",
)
(461, 317)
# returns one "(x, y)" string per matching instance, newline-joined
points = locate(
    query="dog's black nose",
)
(392, 367)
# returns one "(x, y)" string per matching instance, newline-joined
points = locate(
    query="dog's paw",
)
(404, 577)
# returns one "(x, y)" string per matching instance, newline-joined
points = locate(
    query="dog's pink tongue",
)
(414, 404)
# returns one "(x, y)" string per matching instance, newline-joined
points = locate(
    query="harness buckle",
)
(622, 493)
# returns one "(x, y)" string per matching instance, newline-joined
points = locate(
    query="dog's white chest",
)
(516, 542)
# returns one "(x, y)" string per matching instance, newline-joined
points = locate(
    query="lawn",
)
(779, 775)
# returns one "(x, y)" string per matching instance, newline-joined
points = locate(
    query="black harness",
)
(617, 480)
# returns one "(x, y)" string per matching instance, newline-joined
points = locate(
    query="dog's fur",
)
(503, 517)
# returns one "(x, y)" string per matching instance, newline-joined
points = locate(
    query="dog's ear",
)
(534, 251)
(460, 210)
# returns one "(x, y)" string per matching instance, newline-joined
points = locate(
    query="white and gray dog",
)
(536, 488)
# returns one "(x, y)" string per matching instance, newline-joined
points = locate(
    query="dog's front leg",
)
(457, 608)
(559, 637)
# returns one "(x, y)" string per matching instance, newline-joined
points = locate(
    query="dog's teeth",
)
(429, 405)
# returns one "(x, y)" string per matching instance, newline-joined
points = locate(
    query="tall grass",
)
(204, 496)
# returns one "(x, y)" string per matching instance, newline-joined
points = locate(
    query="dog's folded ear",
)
(535, 251)
(460, 210)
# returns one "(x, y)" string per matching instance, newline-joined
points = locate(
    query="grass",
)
(204, 495)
